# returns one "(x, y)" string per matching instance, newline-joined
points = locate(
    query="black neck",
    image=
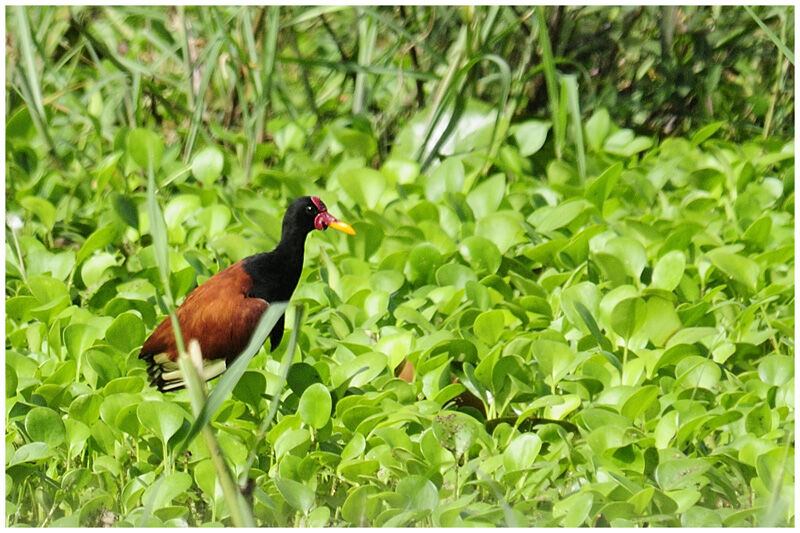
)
(275, 274)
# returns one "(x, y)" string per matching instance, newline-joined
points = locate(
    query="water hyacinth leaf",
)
(680, 473)
(447, 177)
(628, 317)
(480, 253)
(301, 376)
(669, 270)
(364, 186)
(630, 252)
(522, 452)
(251, 388)
(126, 332)
(661, 321)
(45, 425)
(455, 275)
(41, 208)
(486, 197)
(423, 260)
(145, 148)
(29, 453)
(296, 494)
(504, 228)
(554, 359)
(597, 129)
(207, 165)
(99, 239)
(599, 189)
(776, 369)
(530, 136)
(696, 371)
(315, 405)
(489, 326)
(587, 294)
(162, 418)
(419, 492)
(737, 267)
(573, 510)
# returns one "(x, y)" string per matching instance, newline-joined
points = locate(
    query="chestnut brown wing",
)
(219, 315)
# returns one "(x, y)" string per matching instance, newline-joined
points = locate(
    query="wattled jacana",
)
(223, 312)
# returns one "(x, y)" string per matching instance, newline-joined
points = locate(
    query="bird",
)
(222, 313)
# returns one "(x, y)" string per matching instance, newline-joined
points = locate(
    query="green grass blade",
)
(367, 35)
(772, 37)
(232, 375)
(273, 406)
(550, 79)
(570, 85)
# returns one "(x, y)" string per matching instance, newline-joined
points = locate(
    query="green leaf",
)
(597, 129)
(487, 196)
(42, 208)
(737, 267)
(628, 317)
(661, 322)
(447, 177)
(573, 510)
(364, 186)
(296, 494)
(504, 228)
(489, 326)
(145, 148)
(587, 294)
(481, 254)
(207, 165)
(251, 388)
(162, 418)
(126, 209)
(29, 453)
(530, 136)
(680, 473)
(522, 452)
(301, 376)
(454, 275)
(601, 187)
(126, 332)
(630, 252)
(315, 405)
(668, 270)
(45, 425)
(776, 369)
(423, 261)
(696, 371)
(419, 492)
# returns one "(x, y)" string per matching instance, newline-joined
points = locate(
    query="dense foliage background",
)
(579, 219)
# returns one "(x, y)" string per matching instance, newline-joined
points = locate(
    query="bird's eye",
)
(310, 209)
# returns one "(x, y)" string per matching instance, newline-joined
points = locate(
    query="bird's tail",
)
(166, 374)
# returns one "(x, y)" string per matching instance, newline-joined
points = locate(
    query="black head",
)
(308, 213)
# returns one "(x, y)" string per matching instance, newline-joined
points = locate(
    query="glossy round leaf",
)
(146, 148)
(420, 494)
(423, 260)
(162, 418)
(315, 405)
(45, 425)
(481, 254)
(126, 332)
(522, 452)
(207, 165)
(489, 326)
(628, 317)
(296, 494)
(669, 270)
(776, 369)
